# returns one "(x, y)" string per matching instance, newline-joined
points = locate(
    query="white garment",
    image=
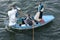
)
(36, 17)
(18, 8)
(12, 17)
(42, 9)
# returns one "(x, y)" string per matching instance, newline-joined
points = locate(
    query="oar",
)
(33, 33)
(21, 13)
(32, 26)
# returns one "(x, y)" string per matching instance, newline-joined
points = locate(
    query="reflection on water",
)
(50, 31)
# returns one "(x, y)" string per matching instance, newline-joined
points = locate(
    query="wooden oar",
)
(33, 33)
(21, 14)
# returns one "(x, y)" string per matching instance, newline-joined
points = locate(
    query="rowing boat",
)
(46, 18)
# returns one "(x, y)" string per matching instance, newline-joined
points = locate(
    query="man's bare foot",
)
(42, 21)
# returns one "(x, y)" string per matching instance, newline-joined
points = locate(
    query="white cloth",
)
(42, 9)
(18, 8)
(36, 17)
(12, 17)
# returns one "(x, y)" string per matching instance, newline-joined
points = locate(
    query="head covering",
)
(13, 4)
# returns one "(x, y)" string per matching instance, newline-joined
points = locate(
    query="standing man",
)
(39, 14)
(12, 14)
(40, 9)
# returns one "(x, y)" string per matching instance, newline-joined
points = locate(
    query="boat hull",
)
(46, 18)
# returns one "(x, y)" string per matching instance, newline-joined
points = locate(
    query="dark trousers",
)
(41, 14)
(23, 21)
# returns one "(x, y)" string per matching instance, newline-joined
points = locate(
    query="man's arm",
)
(42, 9)
(18, 8)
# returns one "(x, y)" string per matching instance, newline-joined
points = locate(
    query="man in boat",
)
(12, 14)
(29, 20)
(39, 14)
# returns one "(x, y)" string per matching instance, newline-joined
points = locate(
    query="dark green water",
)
(50, 31)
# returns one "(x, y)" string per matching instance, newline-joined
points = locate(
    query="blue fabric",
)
(16, 26)
(16, 14)
(40, 7)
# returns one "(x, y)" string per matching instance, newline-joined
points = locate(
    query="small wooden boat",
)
(46, 18)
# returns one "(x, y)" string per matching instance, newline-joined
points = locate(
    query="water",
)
(50, 31)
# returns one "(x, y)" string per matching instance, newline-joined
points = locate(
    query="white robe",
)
(12, 17)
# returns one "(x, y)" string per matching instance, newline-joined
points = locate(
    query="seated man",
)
(29, 20)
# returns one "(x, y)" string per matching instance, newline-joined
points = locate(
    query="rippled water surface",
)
(50, 31)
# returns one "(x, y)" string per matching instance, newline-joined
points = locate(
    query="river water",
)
(50, 31)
